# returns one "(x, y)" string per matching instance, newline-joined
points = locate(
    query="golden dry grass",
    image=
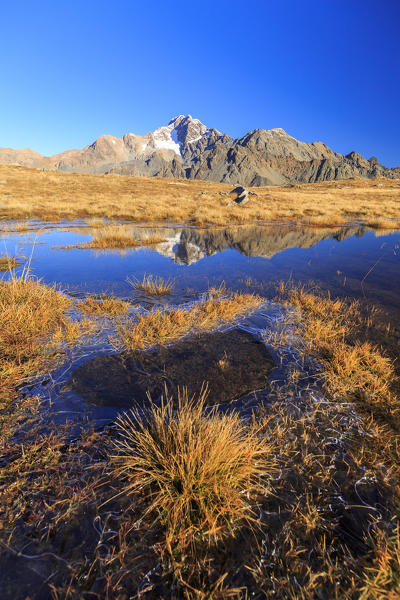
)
(382, 578)
(29, 313)
(300, 502)
(115, 237)
(160, 326)
(183, 505)
(351, 369)
(52, 195)
(104, 306)
(152, 285)
(196, 469)
(7, 263)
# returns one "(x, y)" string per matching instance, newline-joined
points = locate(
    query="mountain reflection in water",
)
(188, 245)
(350, 261)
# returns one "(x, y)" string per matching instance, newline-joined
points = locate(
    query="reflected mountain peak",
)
(188, 245)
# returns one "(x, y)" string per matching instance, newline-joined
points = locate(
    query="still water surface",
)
(349, 261)
(96, 380)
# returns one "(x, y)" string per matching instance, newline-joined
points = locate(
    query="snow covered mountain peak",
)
(179, 132)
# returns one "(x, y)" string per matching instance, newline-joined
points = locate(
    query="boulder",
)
(242, 195)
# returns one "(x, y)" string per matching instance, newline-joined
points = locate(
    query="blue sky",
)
(323, 70)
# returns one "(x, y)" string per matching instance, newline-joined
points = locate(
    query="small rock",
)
(3, 180)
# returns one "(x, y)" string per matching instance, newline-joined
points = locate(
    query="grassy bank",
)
(54, 195)
(160, 326)
(355, 366)
(30, 313)
(300, 501)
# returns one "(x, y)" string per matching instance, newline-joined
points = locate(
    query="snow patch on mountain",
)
(166, 138)
(168, 145)
(179, 132)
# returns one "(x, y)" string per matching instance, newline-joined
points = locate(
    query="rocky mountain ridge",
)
(186, 148)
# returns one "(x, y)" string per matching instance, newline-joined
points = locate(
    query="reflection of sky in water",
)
(339, 266)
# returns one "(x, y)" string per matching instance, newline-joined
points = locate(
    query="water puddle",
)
(348, 261)
(97, 380)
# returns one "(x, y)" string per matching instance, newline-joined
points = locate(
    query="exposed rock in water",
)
(233, 363)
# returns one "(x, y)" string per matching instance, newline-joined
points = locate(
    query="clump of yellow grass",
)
(29, 312)
(115, 237)
(104, 306)
(329, 330)
(160, 326)
(382, 579)
(7, 263)
(196, 469)
(153, 285)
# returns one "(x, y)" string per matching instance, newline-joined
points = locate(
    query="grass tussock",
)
(7, 263)
(382, 578)
(196, 469)
(115, 237)
(104, 306)
(152, 285)
(352, 368)
(53, 195)
(160, 326)
(29, 312)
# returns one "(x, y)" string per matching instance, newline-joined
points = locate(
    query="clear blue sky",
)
(325, 70)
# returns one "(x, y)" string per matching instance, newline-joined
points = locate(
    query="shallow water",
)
(351, 261)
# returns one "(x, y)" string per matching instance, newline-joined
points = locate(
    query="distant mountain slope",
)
(186, 148)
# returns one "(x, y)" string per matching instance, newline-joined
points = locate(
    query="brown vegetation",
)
(7, 263)
(29, 313)
(197, 470)
(353, 368)
(104, 306)
(115, 237)
(160, 326)
(297, 503)
(34, 326)
(298, 525)
(153, 285)
(50, 195)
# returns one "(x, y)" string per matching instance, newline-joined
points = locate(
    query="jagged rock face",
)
(186, 148)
